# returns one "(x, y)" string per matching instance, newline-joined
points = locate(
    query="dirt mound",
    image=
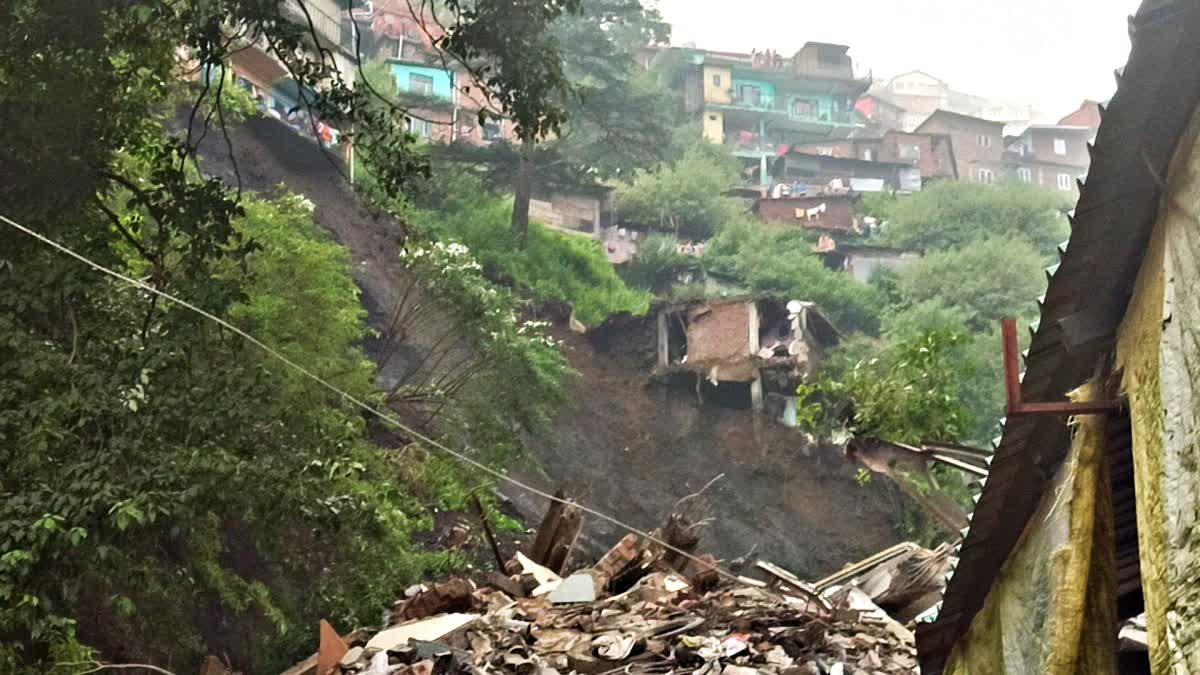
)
(633, 448)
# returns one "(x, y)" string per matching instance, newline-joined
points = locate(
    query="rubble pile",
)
(661, 625)
(642, 609)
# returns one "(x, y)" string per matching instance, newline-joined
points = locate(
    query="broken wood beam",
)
(556, 534)
(487, 532)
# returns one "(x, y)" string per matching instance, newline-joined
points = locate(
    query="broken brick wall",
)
(719, 337)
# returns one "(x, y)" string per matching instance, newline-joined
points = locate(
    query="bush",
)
(553, 266)
(781, 263)
(658, 264)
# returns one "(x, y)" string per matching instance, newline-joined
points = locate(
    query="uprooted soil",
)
(623, 445)
(632, 448)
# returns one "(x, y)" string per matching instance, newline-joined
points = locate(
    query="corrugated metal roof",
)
(1083, 306)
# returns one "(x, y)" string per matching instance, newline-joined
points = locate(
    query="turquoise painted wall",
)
(767, 89)
(443, 81)
(824, 107)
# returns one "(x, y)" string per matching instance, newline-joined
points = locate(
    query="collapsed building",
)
(749, 352)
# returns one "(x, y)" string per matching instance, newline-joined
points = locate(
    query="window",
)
(869, 154)
(491, 131)
(985, 176)
(825, 151)
(1025, 175)
(909, 152)
(420, 84)
(984, 140)
(716, 80)
(1064, 181)
(748, 94)
(1060, 146)
(803, 107)
(422, 128)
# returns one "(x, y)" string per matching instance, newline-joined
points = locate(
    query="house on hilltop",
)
(760, 103)
(978, 144)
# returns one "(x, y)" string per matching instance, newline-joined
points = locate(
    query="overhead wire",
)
(366, 407)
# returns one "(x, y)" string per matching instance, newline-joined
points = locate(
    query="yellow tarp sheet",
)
(1158, 350)
(1052, 608)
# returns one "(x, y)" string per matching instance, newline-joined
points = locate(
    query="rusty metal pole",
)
(1012, 364)
(1012, 385)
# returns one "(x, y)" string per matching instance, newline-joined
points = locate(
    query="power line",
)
(362, 404)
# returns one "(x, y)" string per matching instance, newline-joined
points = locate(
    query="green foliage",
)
(553, 266)
(158, 476)
(658, 264)
(685, 197)
(950, 214)
(142, 430)
(782, 263)
(987, 280)
(905, 393)
(517, 351)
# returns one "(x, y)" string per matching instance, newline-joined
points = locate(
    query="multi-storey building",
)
(759, 104)
(256, 69)
(978, 144)
(1050, 156)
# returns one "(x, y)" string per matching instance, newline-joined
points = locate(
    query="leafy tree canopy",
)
(950, 214)
(686, 196)
(986, 280)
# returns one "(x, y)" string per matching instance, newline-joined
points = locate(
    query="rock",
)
(351, 657)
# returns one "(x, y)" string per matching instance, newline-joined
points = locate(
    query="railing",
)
(328, 27)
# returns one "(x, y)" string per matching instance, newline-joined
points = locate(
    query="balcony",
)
(326, 21)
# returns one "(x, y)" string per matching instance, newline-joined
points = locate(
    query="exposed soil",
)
(268, 154)
(633, 448)
(625, 446)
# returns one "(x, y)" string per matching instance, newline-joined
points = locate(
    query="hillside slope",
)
(623, 446)
(633, 448)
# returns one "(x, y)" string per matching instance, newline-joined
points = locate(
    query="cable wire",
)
(461, 457)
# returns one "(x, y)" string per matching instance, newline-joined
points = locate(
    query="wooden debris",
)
(454, 595)
(557, 534)
(331, 651)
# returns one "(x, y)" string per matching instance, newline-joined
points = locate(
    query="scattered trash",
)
(642, 609)
(575, 588)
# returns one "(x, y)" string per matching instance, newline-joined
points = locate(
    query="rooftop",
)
(1081, 311)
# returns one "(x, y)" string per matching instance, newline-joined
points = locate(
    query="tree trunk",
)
(524, 185)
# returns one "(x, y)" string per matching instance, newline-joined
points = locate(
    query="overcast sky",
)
(1052, 53)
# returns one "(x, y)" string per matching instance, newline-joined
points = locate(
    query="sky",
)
(1050, 53)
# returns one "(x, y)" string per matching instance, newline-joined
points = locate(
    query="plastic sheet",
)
(1052, 607)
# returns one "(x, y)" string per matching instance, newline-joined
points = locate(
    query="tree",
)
(783, 263)
(950, 214)
(596, 142)
(686, 197)
(158, 476)
(987, 280)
